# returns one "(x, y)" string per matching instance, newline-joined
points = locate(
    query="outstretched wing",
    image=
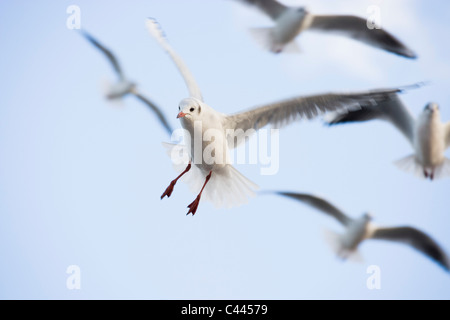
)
(106, 52)
(392, 110)
(282, 113)
(156, 31)
(319, 204)
(417, 239)
(356, 28)
(270, 7)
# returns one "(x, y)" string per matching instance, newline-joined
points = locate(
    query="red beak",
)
(181, 115)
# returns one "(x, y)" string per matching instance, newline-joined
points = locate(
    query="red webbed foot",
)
(193, 206)
(169, 190)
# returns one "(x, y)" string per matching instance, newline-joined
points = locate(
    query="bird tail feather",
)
(410, 164)
(334, 240)
(106, 88)
(265, 38)
(227, 187)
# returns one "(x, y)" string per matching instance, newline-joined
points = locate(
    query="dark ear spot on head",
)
(199, 109)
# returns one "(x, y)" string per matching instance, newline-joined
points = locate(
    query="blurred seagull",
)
(123, 86)
(226, 186)
(291, 21)
(428, 136)
(360, 229)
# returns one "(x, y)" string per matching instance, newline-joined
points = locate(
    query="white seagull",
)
(123, 86)
(291, 21)
(212, 174)
(360, 229)
(427, 134)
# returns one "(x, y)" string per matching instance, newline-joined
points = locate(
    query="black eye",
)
(191, 110)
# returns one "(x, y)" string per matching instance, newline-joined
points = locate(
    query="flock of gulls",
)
(217, 181)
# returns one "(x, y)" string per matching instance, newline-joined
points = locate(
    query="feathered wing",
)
(284, 112)
(415, 238)
(227, 186)
(447, 134)
(156, 110)
(356, 28)
(270, 7)
(319, 204)
(392, 110)
(106, 52)
(156, 31)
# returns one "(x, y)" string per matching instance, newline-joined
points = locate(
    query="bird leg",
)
(169, 189)
(194, 205)
(425, 173)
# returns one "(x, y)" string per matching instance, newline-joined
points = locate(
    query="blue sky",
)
(80, 178)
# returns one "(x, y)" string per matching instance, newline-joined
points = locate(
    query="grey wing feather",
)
(156, 31)
(106, 52)
(356, 28)
(270, 7)
(392, 110)
(156, 110)
(319, 204)
(284, 112)
(417, 239)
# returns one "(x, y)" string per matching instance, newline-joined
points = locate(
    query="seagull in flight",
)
(123, 86)
(207, 161)
(428, 135)
(291, 21)
(362, 228)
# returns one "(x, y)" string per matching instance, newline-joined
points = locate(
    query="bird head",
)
(367, 216)
(432, 107)
(190, 109)
(431, 113)
(303, 11)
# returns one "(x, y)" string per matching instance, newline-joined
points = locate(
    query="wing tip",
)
(446, 266)
(408, 53)
(417, 85)
(443, 261)
(405, 53)
(154, 27)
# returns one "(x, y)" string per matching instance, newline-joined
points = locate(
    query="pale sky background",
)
(80, 178)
